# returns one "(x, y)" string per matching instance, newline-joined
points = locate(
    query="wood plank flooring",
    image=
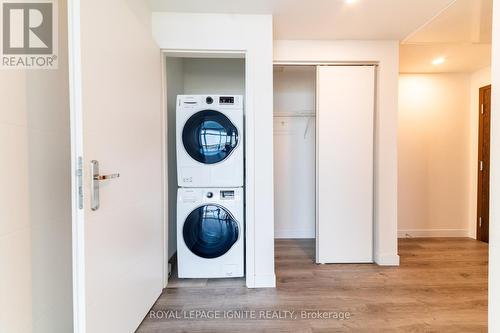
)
(441, 286)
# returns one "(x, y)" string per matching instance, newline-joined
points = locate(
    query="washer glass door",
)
(210, 231)
(209, 136)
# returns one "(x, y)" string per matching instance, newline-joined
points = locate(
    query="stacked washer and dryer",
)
(210, 198)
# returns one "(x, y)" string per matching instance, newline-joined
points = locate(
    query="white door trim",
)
(76, 129)
(164, 167)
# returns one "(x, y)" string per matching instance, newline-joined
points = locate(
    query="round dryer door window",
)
(210, 231)
(209, 136)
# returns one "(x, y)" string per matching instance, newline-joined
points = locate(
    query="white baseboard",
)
(263, 281)
(386, 259)
(421, 233)
(295, 233)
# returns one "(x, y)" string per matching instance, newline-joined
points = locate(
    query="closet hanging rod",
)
(302, 113)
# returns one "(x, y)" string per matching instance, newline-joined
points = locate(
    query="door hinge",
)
(482, 108)
(481, 166)
(79, 182)
(480, 222)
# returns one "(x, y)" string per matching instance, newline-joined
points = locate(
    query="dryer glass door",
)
(210, 231)
(209, 136)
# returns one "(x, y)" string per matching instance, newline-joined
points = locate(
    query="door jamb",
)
(164, 167)
(317, 64)
(76, 133)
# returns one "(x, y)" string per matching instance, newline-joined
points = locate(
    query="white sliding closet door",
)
(345, 116)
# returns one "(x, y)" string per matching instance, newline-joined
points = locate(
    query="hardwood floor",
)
(441, 286)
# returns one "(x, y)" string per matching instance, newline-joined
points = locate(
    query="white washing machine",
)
(210, 232)
(209, 140)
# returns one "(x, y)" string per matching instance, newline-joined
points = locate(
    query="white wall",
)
(494, 253)
(35, 206)
(253, 35)
(434, 155)
(194, 76)
(386, 53)
(294, 152)
(294, 89)
(214, 76)
(478, 79)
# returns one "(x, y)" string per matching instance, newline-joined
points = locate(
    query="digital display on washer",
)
(227, 195)
(226, 100)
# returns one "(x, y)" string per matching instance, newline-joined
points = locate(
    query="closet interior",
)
(294, 151)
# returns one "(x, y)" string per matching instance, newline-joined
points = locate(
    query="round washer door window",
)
(210, 231)
(209, 136)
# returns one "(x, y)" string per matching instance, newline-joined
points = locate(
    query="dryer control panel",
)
(226, 100)
(227, 195)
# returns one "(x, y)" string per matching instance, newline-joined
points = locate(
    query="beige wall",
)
(438, 153)
(35, 206)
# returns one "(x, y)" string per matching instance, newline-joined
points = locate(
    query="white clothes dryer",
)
(209, 140)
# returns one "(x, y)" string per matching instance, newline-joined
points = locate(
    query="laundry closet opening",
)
(205, 140)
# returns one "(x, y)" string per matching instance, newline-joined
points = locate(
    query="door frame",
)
(479, 154)
(77, 188)
(376, 65)
(249, 183)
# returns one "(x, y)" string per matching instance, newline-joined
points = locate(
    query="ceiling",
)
(461, 33)
(323, 19)
(417, 58)
(458, 30)
(463, 21)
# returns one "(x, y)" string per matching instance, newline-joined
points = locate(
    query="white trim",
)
(264, 281)
(295, 233)
(386, 259)
(325, 63)
(249, 172)
(494, 245)
(76, 122)
(422, 233)
(204, 54)
(316, 162)
(164, 166)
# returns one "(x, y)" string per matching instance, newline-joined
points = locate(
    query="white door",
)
(344, 183)
(115, 80)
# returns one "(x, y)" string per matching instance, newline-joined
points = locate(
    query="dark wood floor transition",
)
(441, 286)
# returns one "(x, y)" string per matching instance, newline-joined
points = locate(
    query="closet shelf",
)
(294, 114)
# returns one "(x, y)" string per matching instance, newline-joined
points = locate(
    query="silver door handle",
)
(106, 177)
(96, 177)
